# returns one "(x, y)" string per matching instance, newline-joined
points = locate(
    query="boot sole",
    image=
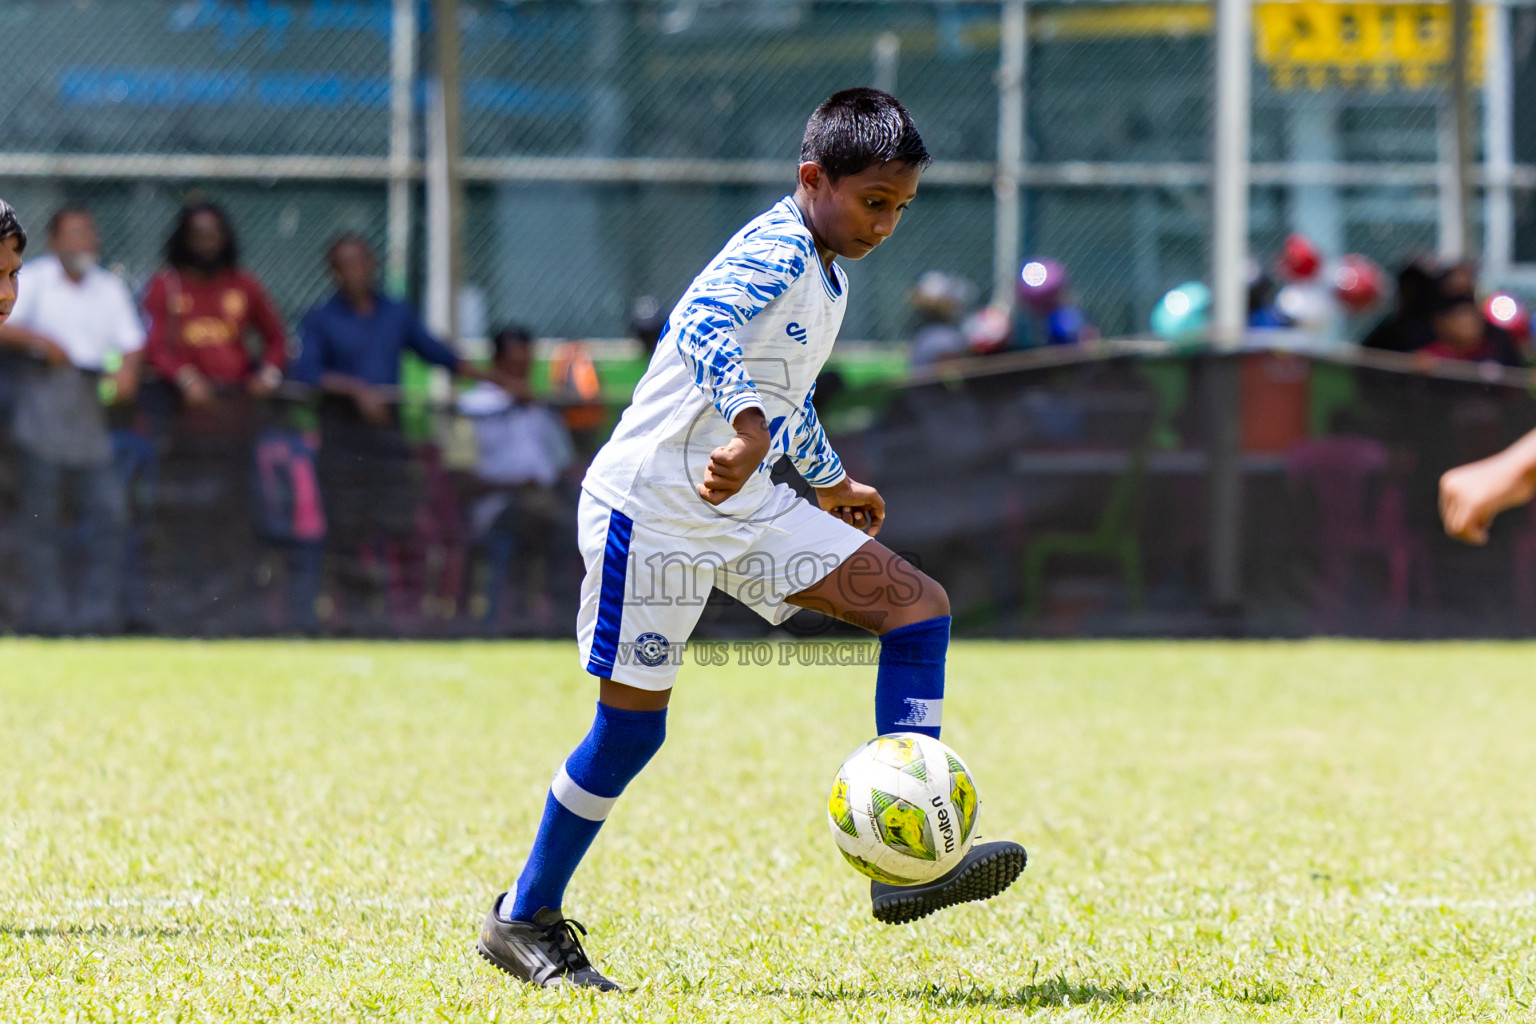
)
(495, 962)
(559, 980)
(981, 880)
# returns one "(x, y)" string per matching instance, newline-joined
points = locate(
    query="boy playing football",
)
(679, 500)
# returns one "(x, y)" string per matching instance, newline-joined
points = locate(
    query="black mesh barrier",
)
(1063, 493)
(1053, 492)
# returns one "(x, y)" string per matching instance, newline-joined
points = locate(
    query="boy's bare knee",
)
(938, 600)
(932, 602)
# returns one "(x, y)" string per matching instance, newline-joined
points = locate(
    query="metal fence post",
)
(1010, 150)
(1455, 141)
(444, 180)
(1229, 258)
(1498, 145)
(402, 105)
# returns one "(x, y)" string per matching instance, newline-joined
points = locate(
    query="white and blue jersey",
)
(753, 330)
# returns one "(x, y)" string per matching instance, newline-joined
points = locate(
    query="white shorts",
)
(645, 590)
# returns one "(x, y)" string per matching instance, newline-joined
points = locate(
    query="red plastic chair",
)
(1342, 475)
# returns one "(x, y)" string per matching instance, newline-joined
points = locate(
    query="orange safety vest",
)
(573, 377)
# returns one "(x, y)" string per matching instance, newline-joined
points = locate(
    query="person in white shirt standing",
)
(79, 324)
(526, 455)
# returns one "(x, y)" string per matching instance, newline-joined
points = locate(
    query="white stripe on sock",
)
(578, 801)
(927, 713)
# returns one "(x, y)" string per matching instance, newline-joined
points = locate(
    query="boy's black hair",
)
(512, 334)
(857, 129)
(178, 251)
(10, 226)
(68, 210)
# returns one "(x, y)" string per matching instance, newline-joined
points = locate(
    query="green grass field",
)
(292, 832)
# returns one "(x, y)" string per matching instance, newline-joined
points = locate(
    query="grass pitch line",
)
(228, 904)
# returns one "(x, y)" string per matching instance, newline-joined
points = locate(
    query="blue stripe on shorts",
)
(610, 601)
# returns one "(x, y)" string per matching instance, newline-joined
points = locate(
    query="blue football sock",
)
(584, 791)
(909, 689)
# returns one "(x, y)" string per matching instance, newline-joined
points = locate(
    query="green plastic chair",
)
(1114, 538)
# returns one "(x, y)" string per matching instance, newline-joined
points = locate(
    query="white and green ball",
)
(903, 808)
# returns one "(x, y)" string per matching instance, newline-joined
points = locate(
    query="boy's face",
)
(10, 267)
(854, 214)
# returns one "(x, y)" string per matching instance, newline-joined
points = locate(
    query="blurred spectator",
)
(1409, 327)
(76, 320)
(1459, 280)
(576, 385)
(205, 313)
(1458, 286)
(989, 330)
(1462, 333)
(647, 321)
(1069, 325)
(350, 347)
(202, 306)
(939, 301)
(524, 473)
(1262, 312)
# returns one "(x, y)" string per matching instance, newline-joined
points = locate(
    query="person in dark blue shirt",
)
(351, 345)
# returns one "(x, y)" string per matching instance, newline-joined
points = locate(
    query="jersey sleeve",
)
(733, 290)
(811, 452)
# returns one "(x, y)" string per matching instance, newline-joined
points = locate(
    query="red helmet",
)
(1357, 282)
(1299, 259)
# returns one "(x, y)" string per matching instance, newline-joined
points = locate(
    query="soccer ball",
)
(903, 808)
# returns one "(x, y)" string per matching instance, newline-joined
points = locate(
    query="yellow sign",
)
(1315, 44)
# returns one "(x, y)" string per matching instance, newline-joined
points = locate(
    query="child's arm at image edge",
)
(1471, 495)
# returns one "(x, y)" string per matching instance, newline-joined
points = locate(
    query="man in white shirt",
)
(79, 324)
(525, 453)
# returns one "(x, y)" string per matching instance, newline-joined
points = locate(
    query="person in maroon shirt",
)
(201, 309)
(215, 349)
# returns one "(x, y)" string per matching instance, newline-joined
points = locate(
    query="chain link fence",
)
(611, 147)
